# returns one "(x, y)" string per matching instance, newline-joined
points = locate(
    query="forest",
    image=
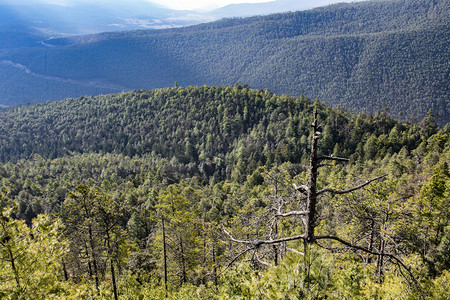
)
(221, 192)
(344, 54)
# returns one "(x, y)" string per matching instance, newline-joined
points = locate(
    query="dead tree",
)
(309, 215)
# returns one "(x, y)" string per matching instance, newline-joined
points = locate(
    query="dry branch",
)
(292, 213)
(340, 192)
(356, 247)
(310, 215)
(257, 243)
(333, 158)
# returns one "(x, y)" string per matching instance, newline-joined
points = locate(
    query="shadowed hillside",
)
(365, 56)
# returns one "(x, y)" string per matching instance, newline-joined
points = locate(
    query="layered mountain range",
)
(389, 55)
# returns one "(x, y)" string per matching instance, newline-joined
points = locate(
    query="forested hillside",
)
(364, 56)
(182, 193)
(214, 125)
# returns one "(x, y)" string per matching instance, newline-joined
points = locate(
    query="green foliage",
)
(363, 56)
(193, 131)
(439, 287)
(199, 157)
(97, 240)
(30, 258)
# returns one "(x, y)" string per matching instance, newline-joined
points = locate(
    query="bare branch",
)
(261, 261)
(356, 247)
(324, 165)
(273, 222)
(340, 192)
(302, 188)
(233, 260)
(292, 213)
(257, 243)
(235, 240)
(295, 251)
(256, 258)
(331, 157)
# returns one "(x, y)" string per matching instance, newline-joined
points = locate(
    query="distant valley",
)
(44, 18)
(367, 56)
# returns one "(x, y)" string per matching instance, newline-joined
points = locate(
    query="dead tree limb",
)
(356, 247)
(292, 213)
(234, 260)
(258, 243)
(310, 216)
(331, 157)
(341, 192)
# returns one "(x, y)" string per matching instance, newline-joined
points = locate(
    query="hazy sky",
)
(173, 4)
(194, 4)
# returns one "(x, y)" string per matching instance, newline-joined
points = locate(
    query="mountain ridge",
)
(343, 54)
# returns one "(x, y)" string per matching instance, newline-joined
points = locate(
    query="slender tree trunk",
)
(382, 248)
(275, 246)
(425, 241)
(214, 263)
(111, 260)
(91, 273)
(372, 234)
(439, 229)
(311, 201)
(312, 185)
(14, 269)
(113, 278)
(380, 261)
(183, 262)
(66, 275)
(164, 252)
(94, 261)
(306, 262)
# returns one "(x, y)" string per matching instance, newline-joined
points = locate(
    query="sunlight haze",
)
(202, 4)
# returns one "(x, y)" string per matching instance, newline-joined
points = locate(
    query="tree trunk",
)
(380, 261)
(113, 273)
(312, 185)
(66, 275)
(94, 261)
(275, 246)
(183, 262)
(113, 278)
(372, 234)
(214, 263)
(14, 269)
(164, 252)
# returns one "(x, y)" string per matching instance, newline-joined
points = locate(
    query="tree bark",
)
(312, 185)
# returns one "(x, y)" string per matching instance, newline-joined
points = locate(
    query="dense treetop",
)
(125, 195)
(216, 126)
(361, 56)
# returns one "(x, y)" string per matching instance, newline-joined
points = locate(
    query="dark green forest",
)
(201, 193)
(366, 56)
